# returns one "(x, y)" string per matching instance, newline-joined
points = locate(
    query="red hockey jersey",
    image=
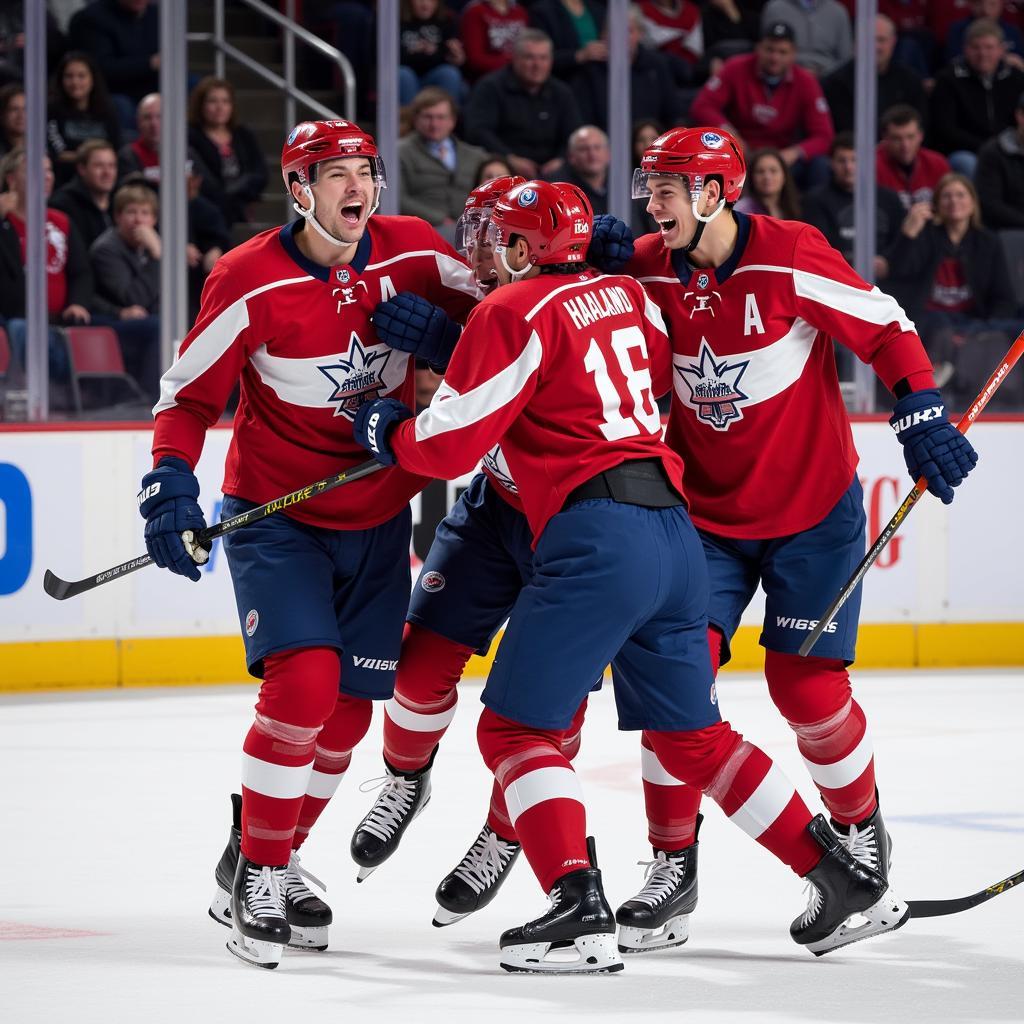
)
(559, 369)
(300, 338)
(756, 408)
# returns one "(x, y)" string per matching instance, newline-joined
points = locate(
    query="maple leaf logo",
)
(358, 378)
(714, 387)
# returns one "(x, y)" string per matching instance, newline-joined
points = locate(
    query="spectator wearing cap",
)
(974, 97)
(586, 165)
(821, 29)
(897, 82)
(769, 102)
(996, 11)
(521, 113)
(438, 169)
(575, 28)
(489, 30)
(902, 163)
(1000, 175)
(86, 198)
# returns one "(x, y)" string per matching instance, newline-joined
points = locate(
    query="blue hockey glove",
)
(173, 517)
(611, 244)
(932, 446)
(374, 422)
(411, 324)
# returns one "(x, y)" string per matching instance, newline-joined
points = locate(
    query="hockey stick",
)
(60, 589)
(990, 388)
(940, 908)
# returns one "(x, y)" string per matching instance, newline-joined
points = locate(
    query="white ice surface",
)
(114, 811)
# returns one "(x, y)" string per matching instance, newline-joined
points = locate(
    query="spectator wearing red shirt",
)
(902, 163)
(766, 100)
(489, 28)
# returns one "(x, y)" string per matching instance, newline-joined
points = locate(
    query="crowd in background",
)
(494, 86)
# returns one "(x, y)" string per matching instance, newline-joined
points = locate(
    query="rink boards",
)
(949, 591)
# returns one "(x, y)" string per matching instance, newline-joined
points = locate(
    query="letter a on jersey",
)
(714, 389)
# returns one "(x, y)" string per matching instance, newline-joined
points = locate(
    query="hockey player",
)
(558, 367)
(753, 304)
(322, 589)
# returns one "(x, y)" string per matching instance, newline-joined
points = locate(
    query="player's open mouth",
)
(352, 213)
(667, 226)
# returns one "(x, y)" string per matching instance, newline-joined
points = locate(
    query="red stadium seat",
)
(94, 353)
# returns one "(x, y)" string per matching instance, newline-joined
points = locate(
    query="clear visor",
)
(470, 230)
(492, 235)
(641, 181)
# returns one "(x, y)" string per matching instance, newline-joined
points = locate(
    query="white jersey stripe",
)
(323, 785)
(542, 784)
(652, 311)
(275, 780)
(417, 721)
(586, 283)
(763, 807)
(456, 275)
(652, 770)
(451, 411)
(850, 768)
(874, 307)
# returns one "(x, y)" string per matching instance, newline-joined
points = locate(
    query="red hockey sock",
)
(334, 746)
(298, 693)
(415, 719)
(497, 814)
(744, 782)
(814, 696)
(542, 793)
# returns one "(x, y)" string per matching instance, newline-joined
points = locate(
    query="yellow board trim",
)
(198, 661)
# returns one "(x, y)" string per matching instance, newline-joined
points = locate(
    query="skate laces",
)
(263, 891)
(294, 886)
(485, 860)
(814, 902)
(863, 845)
(662, 875)
(391, 806)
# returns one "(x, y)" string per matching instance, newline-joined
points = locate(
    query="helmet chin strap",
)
(702, 221)
(515, 275)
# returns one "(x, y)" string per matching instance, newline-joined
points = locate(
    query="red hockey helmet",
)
(312, 141)
(555, 218)
(694, 154)
(470, 227)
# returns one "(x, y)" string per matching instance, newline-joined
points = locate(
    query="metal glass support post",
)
(218, 35)
(173, 200)
(619, 111)
(37, 346)
(387, 101)
(865, 124)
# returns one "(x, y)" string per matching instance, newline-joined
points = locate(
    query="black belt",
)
(637, 482)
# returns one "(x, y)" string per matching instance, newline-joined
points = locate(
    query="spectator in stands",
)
(996, 11)
(770, 188)
(143, 155)
(69, 292)
(12, 117)
(954, 282)
(79, 109)
(521, 113)
(430, 51)
(653, 92)
(492, 167)
(12, 40)
(897, 83)
(916, 39)
(674, 27)
(233, 166)
(126, 266)
(731, 27)
(586, 165)
(821, 28)
(830, 208)
(644, 134)
(902, 163)
(86, 198)
(575, 28)
(489, 30)
(975, 96)
(438, 170)
(766, 100)
(1000, 176)
(124, 38)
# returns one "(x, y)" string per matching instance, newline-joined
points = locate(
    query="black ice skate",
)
(868, 841)
(476, 879)
(259, 928)
(658, 916)
(402, 798)
(840, 887)
(307, 914)
(575, 936)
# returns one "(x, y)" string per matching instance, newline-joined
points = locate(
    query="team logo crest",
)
(252, 620)
(432, 582)
(712, 140)
(703, 280)
(714, 387)
(293, 135)
(358, 377)
(714, 694)
(528, 197)
(343, 275)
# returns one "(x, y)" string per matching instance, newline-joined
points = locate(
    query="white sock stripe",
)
(554, 783)
(504, 768)
(763, 807)
(274, 780)
(323, 785)
(846, 770)
(652, 770)
(416, 721)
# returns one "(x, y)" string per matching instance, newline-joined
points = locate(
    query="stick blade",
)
(57, 588)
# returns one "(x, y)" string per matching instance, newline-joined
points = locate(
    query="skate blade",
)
(443, 918)
(313, 940)
(364, 873)
(220, 907)
(587, 954)
(254, 951)
(641, 940)
(888, 914)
